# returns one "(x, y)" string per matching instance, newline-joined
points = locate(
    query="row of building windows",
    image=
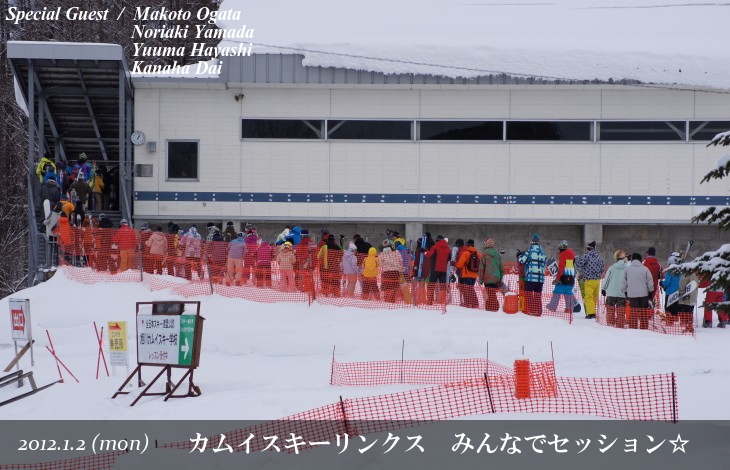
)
(182, 156)
(580, 131)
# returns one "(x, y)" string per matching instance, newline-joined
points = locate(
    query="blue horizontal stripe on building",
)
(484, 199)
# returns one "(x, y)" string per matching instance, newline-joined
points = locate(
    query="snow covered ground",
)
(266, 361)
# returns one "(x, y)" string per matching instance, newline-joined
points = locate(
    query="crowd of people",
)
(81, 185)
(384, 271)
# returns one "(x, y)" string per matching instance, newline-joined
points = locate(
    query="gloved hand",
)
(452, 278)
(603, 292)
(519, 253)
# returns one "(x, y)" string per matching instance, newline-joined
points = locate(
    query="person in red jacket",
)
(565, 278)
(712, 296)
(654, 267)
(468, 277)
(125, 241)
(439, 254)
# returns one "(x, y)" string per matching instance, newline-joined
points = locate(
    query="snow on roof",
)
(648, 40)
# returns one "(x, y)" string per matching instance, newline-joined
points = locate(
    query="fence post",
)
(210, 277)
(489, 392)
(344, 416)
(402, 358)
(141, 260)
(332, 368)
(674, 399)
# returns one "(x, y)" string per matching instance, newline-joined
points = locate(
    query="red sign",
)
(18, 318)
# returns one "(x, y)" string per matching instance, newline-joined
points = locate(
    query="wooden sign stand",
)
(169, 309)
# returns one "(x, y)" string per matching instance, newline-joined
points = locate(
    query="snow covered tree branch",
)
(714, 265)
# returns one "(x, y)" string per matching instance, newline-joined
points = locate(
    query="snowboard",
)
(46, 214)
(674, 297)
(552, 266)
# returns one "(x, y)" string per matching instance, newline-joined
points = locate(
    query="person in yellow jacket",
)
(41, 168)
(370, 275)
(98, 190)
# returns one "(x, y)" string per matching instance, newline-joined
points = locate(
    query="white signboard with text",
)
(20, 320)
(165, 339)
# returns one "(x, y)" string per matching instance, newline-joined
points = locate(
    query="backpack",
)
(472, 263)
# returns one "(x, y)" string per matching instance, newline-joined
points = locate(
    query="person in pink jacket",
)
(157, 244)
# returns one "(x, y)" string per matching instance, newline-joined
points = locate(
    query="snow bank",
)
(265, 361)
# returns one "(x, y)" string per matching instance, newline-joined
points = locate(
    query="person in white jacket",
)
(638, 285)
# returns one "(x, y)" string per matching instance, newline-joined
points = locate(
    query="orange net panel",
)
(618, 313)
(89, 462)
(190, 267)
(650, 397)
(422, 372)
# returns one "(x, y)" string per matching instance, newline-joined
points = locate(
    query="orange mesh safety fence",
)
(643, 398)
(191, 267)
(414, 372)
(89, 462)
(620, 315)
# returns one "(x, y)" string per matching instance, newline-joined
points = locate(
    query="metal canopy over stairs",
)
(79, 98)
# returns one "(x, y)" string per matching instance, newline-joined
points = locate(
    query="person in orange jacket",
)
(468, 264)
(126, 241)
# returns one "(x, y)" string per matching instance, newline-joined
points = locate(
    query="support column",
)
(32, 232)
(414, 230)
(592, 232)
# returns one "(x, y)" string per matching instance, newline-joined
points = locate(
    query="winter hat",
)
(591, 245)
(651, 251)
(459, 242)
(470, 243)
(489, 242)
(82, 156)
(217, 237)
(64, 197)
(209, 225)
(439, 237)
(229, 224)
(674, 258)
(102, 216)
(635, 256)
(535, 239)
(305, 232)
(386, 243)
(563, 245)
(144, 226)
(288, 245)
(240, 234)
(123, 222)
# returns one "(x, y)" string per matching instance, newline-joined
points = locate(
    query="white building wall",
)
(241, 168)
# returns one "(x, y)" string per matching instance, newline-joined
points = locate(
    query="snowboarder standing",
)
(468, 266)
(533, 263)
(564, 279)
(637, 285)
(591, 266)
(491, 273)
(652, 264)
(613, 291)
(439, 255)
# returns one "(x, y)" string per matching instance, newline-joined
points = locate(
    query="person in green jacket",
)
(491, 273)
(612, 290)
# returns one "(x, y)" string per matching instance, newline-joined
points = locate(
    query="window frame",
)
(589, 140)
(411, 122)
(274, 139)
(417, 136)
(167, 162)
(680, 139)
